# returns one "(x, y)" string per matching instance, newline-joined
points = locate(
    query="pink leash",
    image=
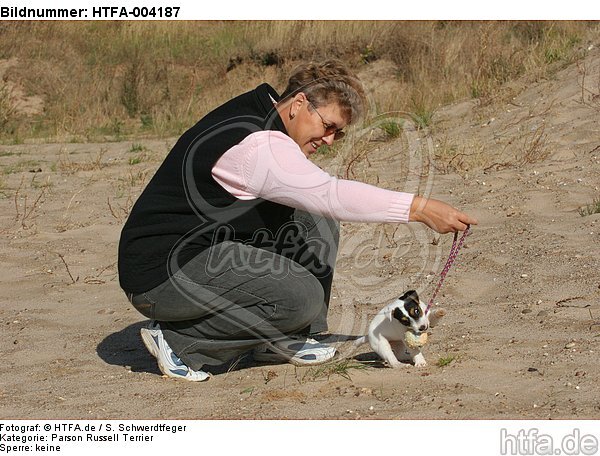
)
(453, 254)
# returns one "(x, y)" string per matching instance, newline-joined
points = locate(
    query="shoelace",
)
(456, 246)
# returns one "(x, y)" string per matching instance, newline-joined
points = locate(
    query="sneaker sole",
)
(281, 357)
(153, 349)
(149, 341)
(151, 346)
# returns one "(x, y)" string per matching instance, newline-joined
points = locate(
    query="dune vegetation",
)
(98, 81)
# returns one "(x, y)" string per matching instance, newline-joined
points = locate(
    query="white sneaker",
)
(297, 350)
(168, 362)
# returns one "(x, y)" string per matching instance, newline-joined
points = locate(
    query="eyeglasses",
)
(330, 128)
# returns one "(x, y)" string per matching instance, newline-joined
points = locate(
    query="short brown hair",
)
(329, 82)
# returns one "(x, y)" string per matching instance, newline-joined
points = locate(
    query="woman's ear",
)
(300, 96)
(296, 104)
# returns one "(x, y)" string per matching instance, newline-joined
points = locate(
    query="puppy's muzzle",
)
(422, 329)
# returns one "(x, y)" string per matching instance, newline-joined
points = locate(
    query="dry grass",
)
(7, 108)
(27, 207)
(67, 165)
(326, 371)
(449, 157)
(590, 209)
(590, 89)
(120, 79)
(127, 190)
(534, 148)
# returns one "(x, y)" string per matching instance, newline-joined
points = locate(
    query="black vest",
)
(182, 209)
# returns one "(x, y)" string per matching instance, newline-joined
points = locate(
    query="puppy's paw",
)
(435, 316)
(439, 312)
(419, 361)
(397, 365)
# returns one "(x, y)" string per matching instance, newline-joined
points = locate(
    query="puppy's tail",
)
(360, 341)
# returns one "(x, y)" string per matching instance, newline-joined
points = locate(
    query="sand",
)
(520, 339)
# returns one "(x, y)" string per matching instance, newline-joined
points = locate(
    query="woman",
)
(231, 247)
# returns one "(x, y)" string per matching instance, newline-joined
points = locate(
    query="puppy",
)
(388, 329)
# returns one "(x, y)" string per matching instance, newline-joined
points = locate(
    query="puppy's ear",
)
(396, 314)
(410, 295)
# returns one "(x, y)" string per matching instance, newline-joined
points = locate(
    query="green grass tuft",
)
(341, 368)
(445, 360)
(135, 160)
(589, 209)
(136, 147)
(391, 128)
(422, 117)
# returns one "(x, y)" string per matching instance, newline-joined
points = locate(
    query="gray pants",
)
(233, 297)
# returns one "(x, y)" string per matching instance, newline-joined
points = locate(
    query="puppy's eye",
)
(415, 312)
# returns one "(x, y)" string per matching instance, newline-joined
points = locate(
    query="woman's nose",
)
(329, 139)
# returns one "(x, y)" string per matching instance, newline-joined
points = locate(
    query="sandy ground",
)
(521, 338)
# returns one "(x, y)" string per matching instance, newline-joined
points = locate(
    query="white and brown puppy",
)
(388, 328)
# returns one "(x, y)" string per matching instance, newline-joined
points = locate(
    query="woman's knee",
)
(300, 303)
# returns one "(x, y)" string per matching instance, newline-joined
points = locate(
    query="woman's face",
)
(311, 127)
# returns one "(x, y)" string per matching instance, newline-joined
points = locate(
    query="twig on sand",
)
(27, 212)
(112, 210)
(67, 267)
(561, 303)
(594, 321)
(95, 279)
(125, 210)
(594, 149)
(17, 198)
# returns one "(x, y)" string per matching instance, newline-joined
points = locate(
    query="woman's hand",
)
(439, 216)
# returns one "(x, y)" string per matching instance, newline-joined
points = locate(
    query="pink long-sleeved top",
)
(270, 165)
